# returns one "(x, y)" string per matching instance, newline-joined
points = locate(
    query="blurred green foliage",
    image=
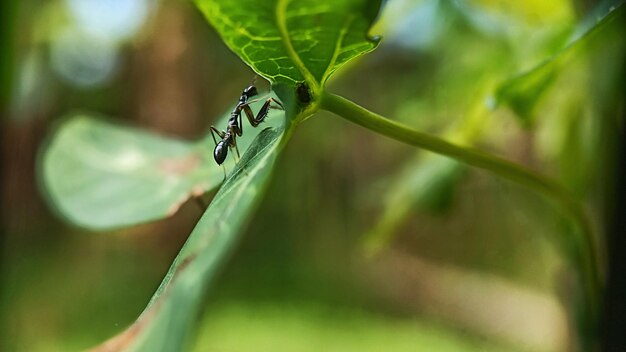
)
(297, 277)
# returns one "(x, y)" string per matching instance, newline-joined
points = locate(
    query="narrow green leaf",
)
(523, 91)
(168, 320)
(292, 41)
(101, 175)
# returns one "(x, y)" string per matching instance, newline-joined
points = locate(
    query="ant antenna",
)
(256, 76)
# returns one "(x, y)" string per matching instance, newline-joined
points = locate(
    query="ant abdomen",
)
(220, 152)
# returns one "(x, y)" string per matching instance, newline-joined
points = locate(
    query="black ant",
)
(234, 128)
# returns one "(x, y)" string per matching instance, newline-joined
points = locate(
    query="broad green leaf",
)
(101, 175)
(291, 41)
(168, 320)
(523, 91)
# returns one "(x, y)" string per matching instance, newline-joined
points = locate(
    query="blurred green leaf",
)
(101, 175)
(523, 91)
(427, 183)
(292, 41)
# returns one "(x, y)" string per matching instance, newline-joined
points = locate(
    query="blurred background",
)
(360, 243)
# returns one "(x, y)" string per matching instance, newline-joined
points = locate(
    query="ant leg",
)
(236, 149)
(250, 115)
(262, 114)
(224, 169)
(240, 127)
(265, 109)
(280, 105)
(252, 101)
(215, 131)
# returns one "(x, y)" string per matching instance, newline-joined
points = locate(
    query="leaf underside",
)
(292, 41)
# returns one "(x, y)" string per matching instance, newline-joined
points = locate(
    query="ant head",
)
(220, 152)
(250, 91)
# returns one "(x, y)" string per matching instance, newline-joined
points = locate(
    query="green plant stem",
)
(506, 169)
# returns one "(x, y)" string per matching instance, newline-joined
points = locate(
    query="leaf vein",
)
(338, 44)
(281, 22)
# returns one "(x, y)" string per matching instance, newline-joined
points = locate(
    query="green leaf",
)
(287, 42)
(100, 175)
(292, 41)
(168, 320)
(523, 91)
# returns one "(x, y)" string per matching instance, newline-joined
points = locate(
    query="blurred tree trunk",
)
(163, 71)
(614, 323)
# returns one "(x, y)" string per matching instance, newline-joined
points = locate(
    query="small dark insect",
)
(234, 128)
(303, 93)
